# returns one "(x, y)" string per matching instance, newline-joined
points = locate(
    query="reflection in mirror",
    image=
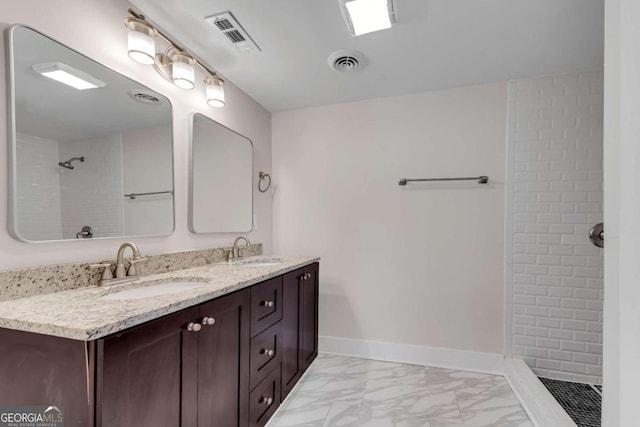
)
(88, 147)
(221, 179)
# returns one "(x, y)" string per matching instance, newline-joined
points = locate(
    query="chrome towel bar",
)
(483, 179)
(132, 196)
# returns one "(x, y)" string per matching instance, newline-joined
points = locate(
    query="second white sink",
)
(261, 262)
(153, 290)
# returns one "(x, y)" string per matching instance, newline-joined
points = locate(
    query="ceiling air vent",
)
(227, 24)
(346, 61)
(144, 97)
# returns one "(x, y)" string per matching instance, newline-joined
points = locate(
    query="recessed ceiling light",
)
(68, 75)
(367, 16)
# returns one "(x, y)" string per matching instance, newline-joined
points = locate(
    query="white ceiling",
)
(436, 44)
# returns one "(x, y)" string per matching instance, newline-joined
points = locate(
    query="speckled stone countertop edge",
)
(28, 319)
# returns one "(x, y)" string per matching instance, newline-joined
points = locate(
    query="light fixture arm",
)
(164, 59)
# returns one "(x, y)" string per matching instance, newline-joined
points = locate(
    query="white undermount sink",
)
(261, 262)
(166, 288)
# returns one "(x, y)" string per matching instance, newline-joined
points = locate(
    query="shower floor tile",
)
(581, 401)
(343, 391)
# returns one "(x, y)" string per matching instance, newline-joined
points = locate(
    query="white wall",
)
(91, 193)
(557, 272)
(146, 168)
(96, 29)
(417, 265)
(38, 179)
(621, 207)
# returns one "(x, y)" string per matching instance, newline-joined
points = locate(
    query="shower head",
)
(67, 164)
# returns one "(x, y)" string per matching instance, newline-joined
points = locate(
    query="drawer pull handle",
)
(194, 327)
(208, 321)
(266, 400)
(267, 303)
(267, 352)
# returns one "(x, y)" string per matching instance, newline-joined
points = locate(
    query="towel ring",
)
(262, 176)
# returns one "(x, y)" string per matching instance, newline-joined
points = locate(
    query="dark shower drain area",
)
(581, 401)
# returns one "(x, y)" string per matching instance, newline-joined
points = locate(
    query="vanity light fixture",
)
(175, 64)
(367, 16)
(68, 75)
(177, 67)
(140, 40)
(215, 91)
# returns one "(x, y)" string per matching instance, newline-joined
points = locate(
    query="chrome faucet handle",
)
(106, 273)
(133, 270)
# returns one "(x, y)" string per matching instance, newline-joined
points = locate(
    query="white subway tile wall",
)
(92, 193)
(557, 272)
(38, 188)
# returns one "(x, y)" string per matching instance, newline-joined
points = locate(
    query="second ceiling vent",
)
(346, 61)
(227, 24)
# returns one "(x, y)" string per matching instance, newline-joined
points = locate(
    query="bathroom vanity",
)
(225, 353)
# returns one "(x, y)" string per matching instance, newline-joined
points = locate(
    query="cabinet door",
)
(291, 355)
(141, 373)
(223, 362)
(309, 315)
(43, 370)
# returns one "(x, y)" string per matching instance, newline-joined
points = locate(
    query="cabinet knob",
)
(308, 276)
(208, 321)
(194, 327)
(267, 352)
(267, 303)
(267, 400)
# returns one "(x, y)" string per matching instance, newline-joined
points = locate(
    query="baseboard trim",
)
(488, 363)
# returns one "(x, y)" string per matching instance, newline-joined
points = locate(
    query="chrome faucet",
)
(122, 275)
(236, 252)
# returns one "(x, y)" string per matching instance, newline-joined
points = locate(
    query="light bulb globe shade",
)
(141, 45)
(215, 92)
(142, 48)
(183, 75)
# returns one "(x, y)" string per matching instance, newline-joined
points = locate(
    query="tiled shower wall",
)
(91, 194)
(38, 188)
(557, 283)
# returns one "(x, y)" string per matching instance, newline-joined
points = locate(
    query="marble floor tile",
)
(405, 401)
(301, 412)
(319, 387)
(342, 415)
(339, 391)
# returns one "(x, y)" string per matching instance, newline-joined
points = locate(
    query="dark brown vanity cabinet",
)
(299, 324)
(144, 374)
(188, 369)
(228, 362)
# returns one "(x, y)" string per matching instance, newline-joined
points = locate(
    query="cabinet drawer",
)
(265, 354)
(266, 305)
(264, 399)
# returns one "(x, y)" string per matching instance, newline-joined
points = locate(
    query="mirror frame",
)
(12, 180)
(192, 118)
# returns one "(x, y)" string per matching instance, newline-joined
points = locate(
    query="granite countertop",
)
(82, 314)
